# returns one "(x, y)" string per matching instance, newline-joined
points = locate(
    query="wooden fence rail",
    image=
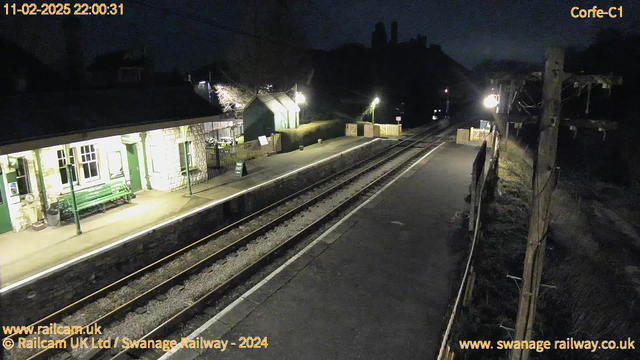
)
(225, 159)
(482, 174)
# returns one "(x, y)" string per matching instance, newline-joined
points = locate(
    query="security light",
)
(491, 101)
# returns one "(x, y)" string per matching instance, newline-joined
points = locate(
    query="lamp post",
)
(375, 102)
(446, 91)
(74, 203)
(298, 98)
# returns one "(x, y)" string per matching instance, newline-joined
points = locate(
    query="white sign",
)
(398, 118)
(263, 140)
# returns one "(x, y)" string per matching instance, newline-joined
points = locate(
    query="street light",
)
(446, 91)
(375, 102)
(491, 101)
(300, 99)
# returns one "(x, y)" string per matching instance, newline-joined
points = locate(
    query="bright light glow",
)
(446, 91)
(233, 98)
(491, 101)
(435, 111)
(300, 99)
(375, 102)
(434, 117)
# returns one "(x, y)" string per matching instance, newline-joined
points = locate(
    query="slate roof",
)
(44, 115)
(276, 102)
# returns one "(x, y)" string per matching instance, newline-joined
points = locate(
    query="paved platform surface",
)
(29, 252)
(377, 286)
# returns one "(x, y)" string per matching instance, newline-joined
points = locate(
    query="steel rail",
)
(145, 296)
(57, 315)
(217, 292)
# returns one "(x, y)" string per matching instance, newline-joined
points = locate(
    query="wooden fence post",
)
(472, 201)
(543, 170)
(468, 292)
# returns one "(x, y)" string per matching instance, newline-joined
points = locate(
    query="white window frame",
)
(89, 155)
(27, 179)
(74, 165)
(189, 149)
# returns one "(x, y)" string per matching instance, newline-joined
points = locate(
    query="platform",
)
(30, 252)
(377, 285)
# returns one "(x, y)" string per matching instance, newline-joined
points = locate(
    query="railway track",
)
(117, 301)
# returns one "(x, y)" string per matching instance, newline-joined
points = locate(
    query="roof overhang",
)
(100, 133)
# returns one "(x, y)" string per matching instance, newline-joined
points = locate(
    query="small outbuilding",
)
(268, 113)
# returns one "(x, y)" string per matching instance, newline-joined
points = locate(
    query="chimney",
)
(379, 37)
(394, 32)
(422, 41)
(75, 58)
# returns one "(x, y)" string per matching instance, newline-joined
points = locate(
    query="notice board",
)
(241, 168)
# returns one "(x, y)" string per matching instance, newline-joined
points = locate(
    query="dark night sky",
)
(467, 31)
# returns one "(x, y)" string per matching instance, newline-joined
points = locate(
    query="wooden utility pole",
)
(543, 173)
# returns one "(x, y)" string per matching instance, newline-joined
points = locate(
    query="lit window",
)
(181, 151)
(62, 166)
(89, 160)
(114, 160)
(22, 176)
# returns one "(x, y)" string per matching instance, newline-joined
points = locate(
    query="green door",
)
(134, 167)
(5, 218)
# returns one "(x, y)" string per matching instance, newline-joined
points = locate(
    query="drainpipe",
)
(43, 191)
(143, 138)
(76, 216)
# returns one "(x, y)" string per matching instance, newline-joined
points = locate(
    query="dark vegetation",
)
(499, 252)
(309, 134)
(593, 247)
(592, 260)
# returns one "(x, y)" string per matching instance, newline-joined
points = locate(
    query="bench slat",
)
(87, 198)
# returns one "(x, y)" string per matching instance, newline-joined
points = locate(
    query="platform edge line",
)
(167, 222)
(257, 286)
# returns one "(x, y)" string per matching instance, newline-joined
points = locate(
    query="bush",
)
(308, 134)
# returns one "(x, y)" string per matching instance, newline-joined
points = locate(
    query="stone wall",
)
(162, 149)
(164, 157)
(33, 300)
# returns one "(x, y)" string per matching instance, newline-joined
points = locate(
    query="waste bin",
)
(53, 217)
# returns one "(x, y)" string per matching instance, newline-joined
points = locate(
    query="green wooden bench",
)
(94, 196)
